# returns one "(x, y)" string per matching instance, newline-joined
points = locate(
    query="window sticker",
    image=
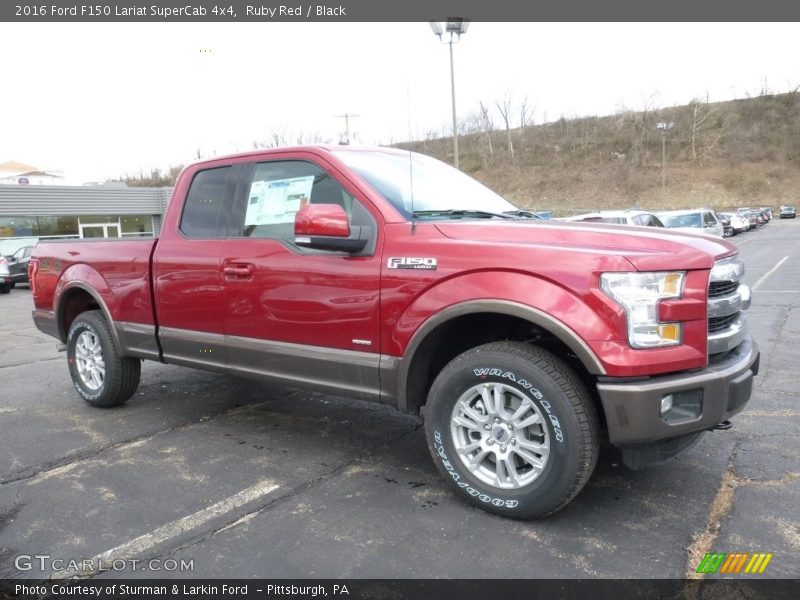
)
(277, 201)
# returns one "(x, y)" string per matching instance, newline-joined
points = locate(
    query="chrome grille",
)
(719, 323)
(722, 288)
(727, 298)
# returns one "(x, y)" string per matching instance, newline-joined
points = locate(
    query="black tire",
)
(5, 288)
(121, 374)
(567, 421)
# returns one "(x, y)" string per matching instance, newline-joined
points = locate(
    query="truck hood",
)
(647, 248)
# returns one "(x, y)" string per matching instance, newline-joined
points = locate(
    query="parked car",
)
(750, 215)
(6, 282)
(787, 212)
(527, 341)
(622, 217)
(700, 220)
(767, 212)
(739, 223)
(17, 252)
(727, 228)
(18, 264)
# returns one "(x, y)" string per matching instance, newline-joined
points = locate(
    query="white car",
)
(740, 223)
(699, 220)
(622, 217)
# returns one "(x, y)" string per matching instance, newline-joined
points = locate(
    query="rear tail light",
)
(33, 269)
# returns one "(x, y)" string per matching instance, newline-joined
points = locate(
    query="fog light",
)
(682, 407)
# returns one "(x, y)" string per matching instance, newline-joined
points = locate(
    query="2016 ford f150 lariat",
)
(388, 275)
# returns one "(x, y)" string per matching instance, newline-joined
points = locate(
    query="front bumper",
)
(633, 409)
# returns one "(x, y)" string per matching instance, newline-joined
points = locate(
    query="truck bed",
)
(116, 272)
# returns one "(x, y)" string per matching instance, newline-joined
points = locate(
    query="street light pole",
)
(456, 27)
(453, 96)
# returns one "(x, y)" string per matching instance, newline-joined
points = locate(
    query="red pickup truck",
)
(390, 276)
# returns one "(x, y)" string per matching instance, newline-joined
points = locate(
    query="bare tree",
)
(701, 111)
(504, 107)
(525, 114)
(642, 125)
(487, 126)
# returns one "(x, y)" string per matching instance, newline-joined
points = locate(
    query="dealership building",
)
(59, 211)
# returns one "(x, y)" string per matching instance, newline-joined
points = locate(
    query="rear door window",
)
(208, 203)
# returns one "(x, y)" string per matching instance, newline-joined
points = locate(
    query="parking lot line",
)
(770, 272)
(171, 530)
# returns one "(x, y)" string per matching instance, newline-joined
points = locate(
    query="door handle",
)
(238, 270)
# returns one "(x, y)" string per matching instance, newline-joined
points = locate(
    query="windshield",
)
(687, 220)
(436, 186)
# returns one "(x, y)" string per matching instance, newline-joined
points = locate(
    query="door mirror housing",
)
(326, 227)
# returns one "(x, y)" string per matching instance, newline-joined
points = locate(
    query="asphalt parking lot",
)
(239, 479)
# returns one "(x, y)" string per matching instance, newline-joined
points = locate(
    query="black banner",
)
(374, 10)
(402, 589)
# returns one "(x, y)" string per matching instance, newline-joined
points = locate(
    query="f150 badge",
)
(408, 262)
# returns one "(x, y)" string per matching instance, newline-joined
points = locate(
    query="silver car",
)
(699, 220)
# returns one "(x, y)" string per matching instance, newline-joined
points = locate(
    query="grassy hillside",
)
(727, 154)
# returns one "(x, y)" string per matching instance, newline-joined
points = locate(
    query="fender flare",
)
(506, 307)
(97, 298)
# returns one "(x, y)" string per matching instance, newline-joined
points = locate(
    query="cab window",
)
(278, 189)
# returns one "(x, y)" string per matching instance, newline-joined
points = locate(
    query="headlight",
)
(638, 294)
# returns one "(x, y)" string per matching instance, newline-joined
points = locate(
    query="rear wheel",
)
(102, 377)
(512, 429)
(5, 288)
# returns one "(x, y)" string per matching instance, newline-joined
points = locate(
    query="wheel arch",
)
(78, 297)
(421, 361)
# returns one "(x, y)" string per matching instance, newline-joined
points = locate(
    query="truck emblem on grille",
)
(407, 262)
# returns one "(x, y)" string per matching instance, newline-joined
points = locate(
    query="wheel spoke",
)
(488, 399)
(464, 422)
(95, 378)
(533, 446)
(511, 470)
(523, 408)
(499, 402)
(472, 413)
(469, 449)
(500, 471)
(530, 458)
(534, 419)
(476, 460)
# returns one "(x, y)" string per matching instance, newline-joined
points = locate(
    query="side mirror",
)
(325, 227)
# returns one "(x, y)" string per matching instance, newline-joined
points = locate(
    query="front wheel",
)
(101, 375)
(5, 288)
(512, 429)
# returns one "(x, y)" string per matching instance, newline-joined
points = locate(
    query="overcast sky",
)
(98, 100)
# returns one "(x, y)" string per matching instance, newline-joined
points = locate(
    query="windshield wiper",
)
(481, 214)
(525, 214)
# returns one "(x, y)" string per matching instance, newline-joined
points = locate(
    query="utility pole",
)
(347, 118)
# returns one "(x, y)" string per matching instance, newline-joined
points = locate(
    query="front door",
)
(292, 312)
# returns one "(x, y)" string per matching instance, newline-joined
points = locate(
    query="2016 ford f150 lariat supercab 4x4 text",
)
(390, 276)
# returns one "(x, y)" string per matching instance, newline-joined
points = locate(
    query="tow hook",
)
(724, 426)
